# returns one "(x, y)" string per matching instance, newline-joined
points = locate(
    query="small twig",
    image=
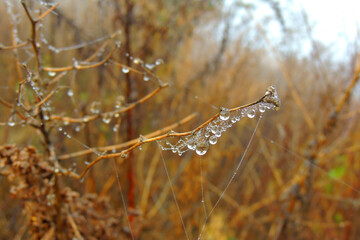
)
(74, 226)
(9, 105)
(47, 12)
(14, 46)
(80, 67)
(268, 98)
(112, 113)
(123, 65)
(46, 98)
(33, 34)
(131, 142)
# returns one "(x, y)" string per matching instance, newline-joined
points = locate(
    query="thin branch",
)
(14, 46)
(9, 105)
(269, 97)
(76, 176)
(131, 142)
(47, 12)
(80, 67)
(33, 34)
(45, 99)
(111, 113)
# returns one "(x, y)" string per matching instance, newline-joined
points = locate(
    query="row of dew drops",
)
(200, 140)
(95, 107)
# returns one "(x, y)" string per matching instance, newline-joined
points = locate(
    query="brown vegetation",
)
(89, 88)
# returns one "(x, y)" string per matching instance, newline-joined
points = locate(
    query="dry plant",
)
(72, 144)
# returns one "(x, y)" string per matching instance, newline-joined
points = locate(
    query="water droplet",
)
(150, 66)
(60, 129)
(87, 163)
(119, 101)
(106, 119)
(213, 140)
(207, 133)
(146, 78)
(125, 70)
(214, 129)
(46, 117)
(159, 61)
(52, 74)
(141, 138)
(50, 199)
(218, 133)
(202, 147)
(262, 108)
(191, 146)
(79, 127)
(11, 121)
(95, 107)
(137, 61)
(251, 113)
(224, 114)
(76, 63)
(70, 93)
(68, 135)
(116, 128)
(118, 44)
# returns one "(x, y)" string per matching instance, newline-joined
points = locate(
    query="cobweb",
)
(198, 140)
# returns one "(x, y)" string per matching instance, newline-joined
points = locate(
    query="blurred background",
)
(300, 177)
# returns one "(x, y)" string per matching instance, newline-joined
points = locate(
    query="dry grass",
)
(299, 179)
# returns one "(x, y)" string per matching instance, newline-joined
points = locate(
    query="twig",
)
(80, 67)
(111, 113)
(14, 46)
(33, 35)
(131, 142)
(74, 226)
(47, 12)
(267, 98)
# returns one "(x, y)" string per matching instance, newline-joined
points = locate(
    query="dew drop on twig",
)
(116, 128)
(11, 121)
(52, 74)
(202, 147)
(224, 114)
(95, 107)
(262, 108)
(119, 102)
(251, 113)
(146, 78)
(106, 119)
(137, 60)
(213, 140)
(70, 93)
(159, 61)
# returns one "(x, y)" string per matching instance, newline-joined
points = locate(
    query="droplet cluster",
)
(200, 140)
